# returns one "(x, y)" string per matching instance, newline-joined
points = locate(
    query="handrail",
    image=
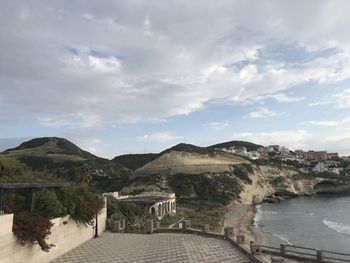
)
(307, 248)
(339, 259)
(301, 253)
(319, 255)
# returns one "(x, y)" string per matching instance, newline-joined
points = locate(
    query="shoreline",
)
(241, 217)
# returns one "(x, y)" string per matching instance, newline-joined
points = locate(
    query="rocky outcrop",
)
(330, 187)
(274, 184)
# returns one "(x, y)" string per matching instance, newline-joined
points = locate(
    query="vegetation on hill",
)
(57, 157)
(13, 171)
(184, 147)
(134, 161)
(250, 146)
(50, 146)
(205, 190)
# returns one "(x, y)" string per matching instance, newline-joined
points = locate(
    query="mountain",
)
(57, 148)
(62, 158)
(134, 161)
(249, 145)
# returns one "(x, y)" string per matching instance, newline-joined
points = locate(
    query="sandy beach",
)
(241, 217)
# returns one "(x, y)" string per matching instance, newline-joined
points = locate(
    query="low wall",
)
(64, 236)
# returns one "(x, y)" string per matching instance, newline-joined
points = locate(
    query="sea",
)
(321, 222)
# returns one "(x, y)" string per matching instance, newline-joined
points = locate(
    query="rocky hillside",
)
(200, 177)
(174, 161)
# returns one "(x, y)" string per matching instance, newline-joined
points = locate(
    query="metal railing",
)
(300, 252)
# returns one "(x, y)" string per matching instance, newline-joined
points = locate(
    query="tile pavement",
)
(166, 247)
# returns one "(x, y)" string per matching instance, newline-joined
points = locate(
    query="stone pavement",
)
(166, 247)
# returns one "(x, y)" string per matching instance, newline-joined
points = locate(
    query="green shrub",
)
(87, 205)
(65, 197)
(47, 204)
(241, 172)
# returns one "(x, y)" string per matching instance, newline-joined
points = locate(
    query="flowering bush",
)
(79, 202)
(32, 229)
(87, 205)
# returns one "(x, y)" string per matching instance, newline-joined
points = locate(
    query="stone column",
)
(156, 224)
(228, 231)
(205, 228)
(116, 226)
(240, 239)
(186, 224)
(149, 226)
(277, 260)
(320, 255)
(283, 249)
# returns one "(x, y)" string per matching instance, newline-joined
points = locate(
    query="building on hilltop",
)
(332, 155)
(315, 155)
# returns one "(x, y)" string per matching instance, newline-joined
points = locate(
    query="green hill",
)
(249, 145)
(57, 148)
(190, 148)
(62, 158)
(134, 161)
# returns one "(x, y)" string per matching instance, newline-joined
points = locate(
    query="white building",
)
(320, 168)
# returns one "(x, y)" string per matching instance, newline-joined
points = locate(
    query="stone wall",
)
(64, 236)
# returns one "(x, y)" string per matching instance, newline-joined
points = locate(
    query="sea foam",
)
(258, 215)
(339, 227)
(283, 238)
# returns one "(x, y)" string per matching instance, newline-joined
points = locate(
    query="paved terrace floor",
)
(113, 247)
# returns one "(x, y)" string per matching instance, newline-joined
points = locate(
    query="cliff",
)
(218, 178)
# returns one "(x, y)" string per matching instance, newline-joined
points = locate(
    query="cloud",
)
(262, 112)
(339, 100)
(321, 123)
(330, 123)
(120, 62)
(293, 139)
(342, 99)
(217, 125)
(159, 137)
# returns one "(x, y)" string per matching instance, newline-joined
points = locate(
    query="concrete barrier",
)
(65, 235)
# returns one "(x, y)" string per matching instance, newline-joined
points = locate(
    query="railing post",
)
(283, 249)
(205, 228)
(240, 239)
(228, 232)
(186, 224)
(319, 255)
(156, 224)
(149, 227)
(255, 249)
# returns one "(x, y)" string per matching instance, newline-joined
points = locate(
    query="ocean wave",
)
(258, 216)
(283, 238)
(336, 226)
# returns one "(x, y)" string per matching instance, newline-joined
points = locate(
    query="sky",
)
(118, 77)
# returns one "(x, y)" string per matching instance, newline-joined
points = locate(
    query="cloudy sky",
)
(139, 76)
